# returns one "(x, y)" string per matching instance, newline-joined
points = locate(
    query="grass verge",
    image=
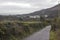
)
(52, 35)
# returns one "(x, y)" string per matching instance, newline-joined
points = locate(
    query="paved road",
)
(40, 35)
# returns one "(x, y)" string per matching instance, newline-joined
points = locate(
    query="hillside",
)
(51, 12)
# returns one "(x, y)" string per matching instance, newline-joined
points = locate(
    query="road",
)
(40, 35)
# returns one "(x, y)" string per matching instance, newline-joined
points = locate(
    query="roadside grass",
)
(55, 35)
(58, 34)
(52, 35)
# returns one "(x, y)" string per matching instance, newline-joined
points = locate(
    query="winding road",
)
(40, 35)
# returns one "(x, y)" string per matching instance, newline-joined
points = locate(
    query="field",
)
(17, 30)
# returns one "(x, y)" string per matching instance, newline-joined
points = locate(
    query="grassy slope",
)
(52, 35)
(56, 34)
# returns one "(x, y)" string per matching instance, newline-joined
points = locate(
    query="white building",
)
(36, 16)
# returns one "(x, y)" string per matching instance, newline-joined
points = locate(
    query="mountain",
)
(51, 12)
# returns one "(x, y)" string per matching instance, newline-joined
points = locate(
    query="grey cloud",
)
(42, 4)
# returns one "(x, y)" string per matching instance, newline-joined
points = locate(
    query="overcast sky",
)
(8, 7)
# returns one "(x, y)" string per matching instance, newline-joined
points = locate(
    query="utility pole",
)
(58, 10)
